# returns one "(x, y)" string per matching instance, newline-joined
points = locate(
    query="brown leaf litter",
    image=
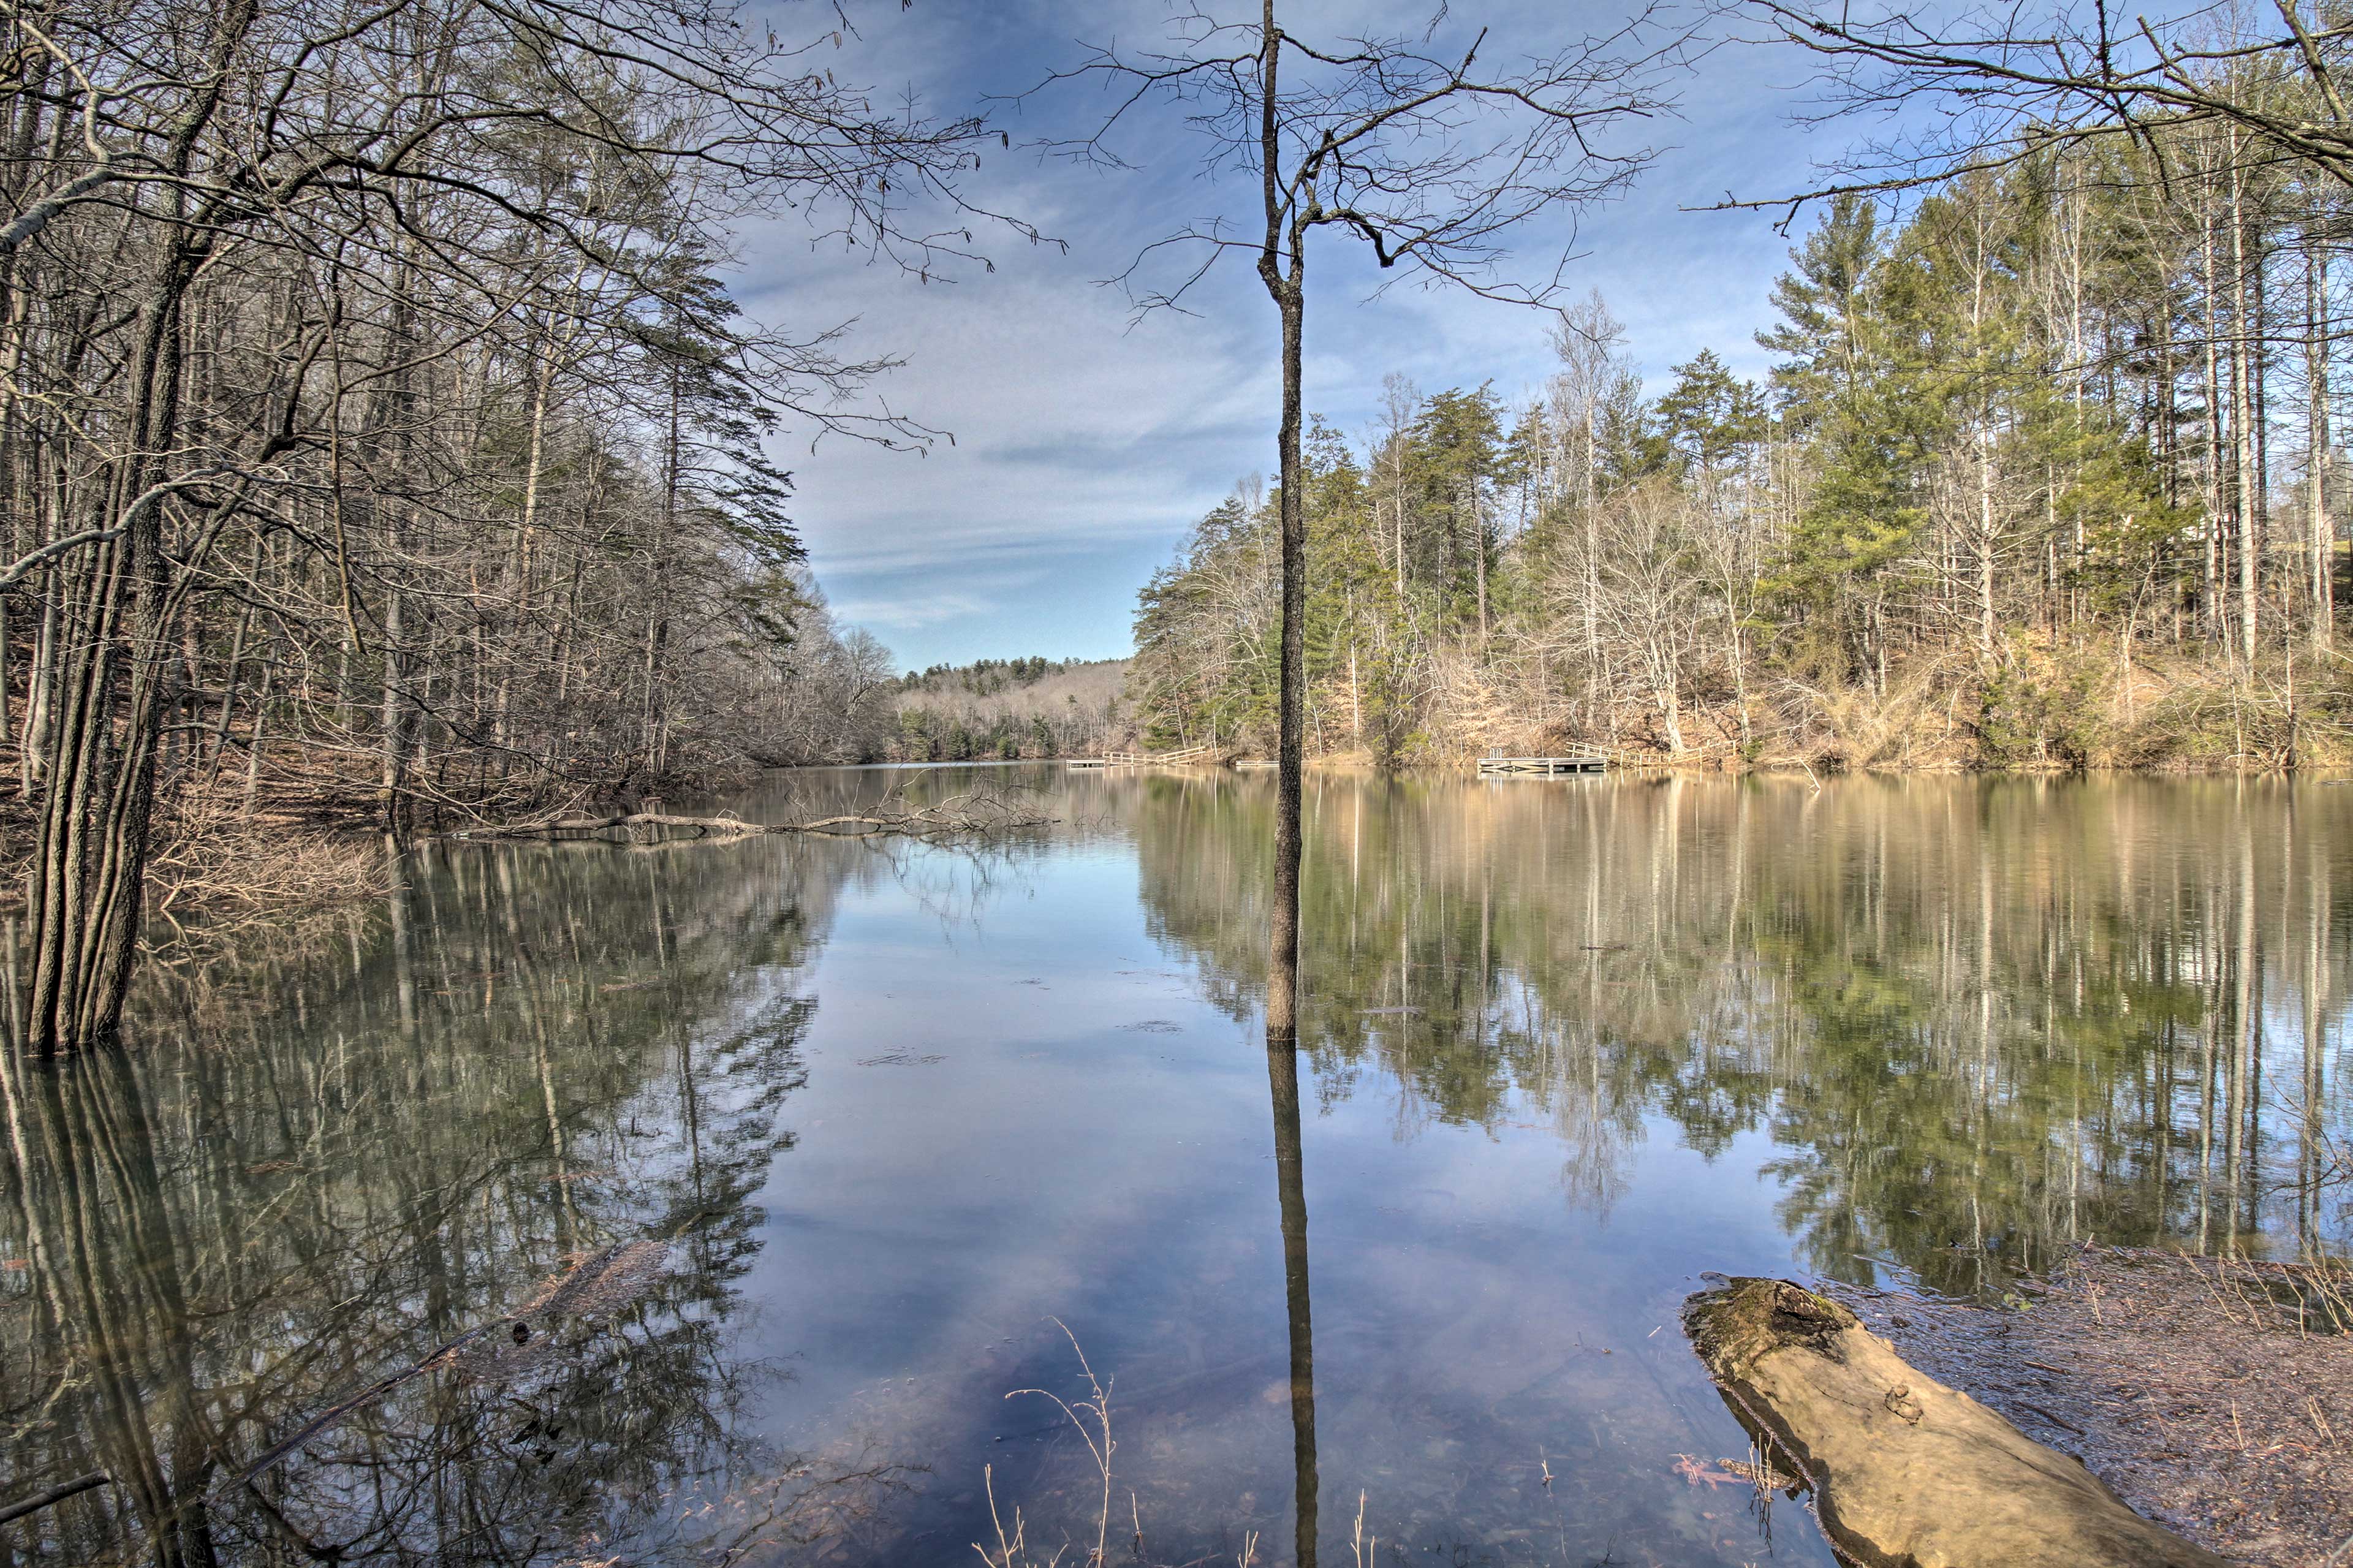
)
(2214, 1395)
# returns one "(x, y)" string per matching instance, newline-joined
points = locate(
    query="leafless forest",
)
(379, 435)
(1004, 708)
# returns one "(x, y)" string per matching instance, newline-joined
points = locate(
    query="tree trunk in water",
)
(115, 658)
(1287, 288)
(1283, 961)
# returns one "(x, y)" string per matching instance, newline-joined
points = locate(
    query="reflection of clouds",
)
(1728, 1022)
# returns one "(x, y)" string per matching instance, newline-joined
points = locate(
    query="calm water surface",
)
(904, 1115)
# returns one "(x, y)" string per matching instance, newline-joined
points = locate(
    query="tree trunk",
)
(2320, 538)
(2243, 422)
(1479, 546)
(1287, 287)
(90, 863)
(2215, 564)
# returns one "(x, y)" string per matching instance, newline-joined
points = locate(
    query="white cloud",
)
(1085, 443)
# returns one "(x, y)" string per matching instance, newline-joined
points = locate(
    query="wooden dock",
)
(1187, 756)
(1543, 766)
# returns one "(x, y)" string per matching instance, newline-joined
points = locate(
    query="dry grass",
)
(1091, 1418)
(2214, 1395)
(209, 857)
(210, 865)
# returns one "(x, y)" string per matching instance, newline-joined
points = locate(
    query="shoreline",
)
(2213, 1394)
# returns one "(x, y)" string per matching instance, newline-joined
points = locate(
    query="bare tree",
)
(2015, 83)
(284, 287)
(1410, 145)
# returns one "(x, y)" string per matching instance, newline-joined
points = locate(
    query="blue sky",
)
(1086, 443)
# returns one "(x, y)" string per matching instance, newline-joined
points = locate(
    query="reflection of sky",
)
(1085, 445)
(1055, 1159)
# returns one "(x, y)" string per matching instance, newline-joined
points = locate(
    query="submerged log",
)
(1905, 1472)
(969, 814)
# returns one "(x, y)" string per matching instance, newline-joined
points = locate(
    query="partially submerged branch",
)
(974, 812)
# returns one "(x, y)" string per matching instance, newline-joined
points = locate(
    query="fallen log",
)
(957, 816)
(1904, 1471)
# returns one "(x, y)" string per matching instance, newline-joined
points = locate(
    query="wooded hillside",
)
(2048, 473)
(1004, 708)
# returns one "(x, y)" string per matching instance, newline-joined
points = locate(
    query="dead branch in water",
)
(972, 814)
(597, 1288)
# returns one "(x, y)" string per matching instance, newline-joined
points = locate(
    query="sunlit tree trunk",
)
(2242, 420)
(2318, 536)
(1282, 267)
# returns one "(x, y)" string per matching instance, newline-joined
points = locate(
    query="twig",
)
(56, 1494)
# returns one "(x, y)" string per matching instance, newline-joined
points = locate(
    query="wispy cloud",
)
(1086, 443)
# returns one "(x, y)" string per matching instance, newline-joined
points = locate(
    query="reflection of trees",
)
(318, 1170)
(1291, 1182)
(1978, 1018)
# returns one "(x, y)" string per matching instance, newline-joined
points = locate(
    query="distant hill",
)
(1009, 707)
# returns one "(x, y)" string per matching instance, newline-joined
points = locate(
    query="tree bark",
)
(2320, 538)
(2243, 418)
(1285, 286)
(90, 858)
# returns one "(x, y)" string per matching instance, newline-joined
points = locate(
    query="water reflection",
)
(1977, 1019)
(310, 1174)
(1562, 1045)
(1291, 1182)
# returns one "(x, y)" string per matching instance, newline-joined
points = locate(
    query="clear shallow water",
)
(897, 1110)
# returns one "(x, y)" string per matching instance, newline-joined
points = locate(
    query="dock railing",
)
(1544, 766)
(1184, 756)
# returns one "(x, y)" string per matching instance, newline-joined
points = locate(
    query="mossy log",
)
(1905, 1472)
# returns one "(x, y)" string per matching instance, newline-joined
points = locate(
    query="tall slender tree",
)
(1415, 148)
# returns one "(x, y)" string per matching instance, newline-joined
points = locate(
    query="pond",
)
(843, 1145)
